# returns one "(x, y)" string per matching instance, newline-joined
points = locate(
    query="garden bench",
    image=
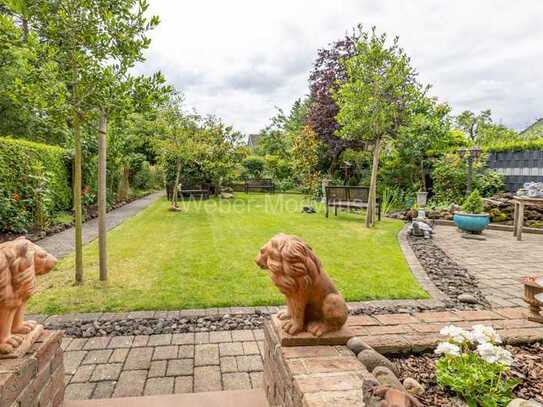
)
(260, 185)
(194, 191)
(349, 198)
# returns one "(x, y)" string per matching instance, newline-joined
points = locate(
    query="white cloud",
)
(239, 59)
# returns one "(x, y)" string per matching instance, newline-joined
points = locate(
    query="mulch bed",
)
(528, 367)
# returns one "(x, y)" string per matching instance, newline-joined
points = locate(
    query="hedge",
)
(529, 145)
(34, 183)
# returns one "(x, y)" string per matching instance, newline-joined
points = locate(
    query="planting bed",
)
(528, 367)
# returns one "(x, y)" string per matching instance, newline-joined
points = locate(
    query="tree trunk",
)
(102, 161)
(176, 184)
(370, 216)
(77, 199)
(422, 177)
(124, 185)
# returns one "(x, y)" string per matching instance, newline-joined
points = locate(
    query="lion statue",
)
(20, 262)
(313, 303)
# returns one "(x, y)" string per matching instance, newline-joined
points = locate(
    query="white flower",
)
(494, 354)
(482, 334)
(504, 356)
(488, 352)
(446, 348)
(456, 333)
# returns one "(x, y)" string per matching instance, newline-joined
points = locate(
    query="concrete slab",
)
(236, 398)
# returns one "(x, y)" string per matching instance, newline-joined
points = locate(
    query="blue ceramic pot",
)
(470, 222)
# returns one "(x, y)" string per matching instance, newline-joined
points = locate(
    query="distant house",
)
(252, 140)
(534, 130)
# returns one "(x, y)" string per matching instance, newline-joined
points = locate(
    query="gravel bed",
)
(527, 366)
(153, 326)
(453, 280)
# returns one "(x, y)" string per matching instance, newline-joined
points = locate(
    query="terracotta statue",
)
(313, 303)
(20, 262)
(395, 398)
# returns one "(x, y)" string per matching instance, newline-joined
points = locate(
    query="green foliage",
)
(305, 159)
(392, 198)
(34, 184)
(519, 145)
(480, 383)
(253, 166)
(480, 130)
(449, 174)
(473, 203)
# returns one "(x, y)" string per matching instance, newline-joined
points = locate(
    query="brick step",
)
(235, 398)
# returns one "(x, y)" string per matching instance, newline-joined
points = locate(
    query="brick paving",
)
(122, 366)
(497, 262)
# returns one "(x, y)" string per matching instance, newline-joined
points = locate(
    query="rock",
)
(386, 377)
(357, 345)
(413, 386)
(372, 359)
(524, 403)
(467, 298)
(227, 195)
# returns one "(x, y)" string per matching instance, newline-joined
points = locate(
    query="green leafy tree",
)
(377, 99)
(86, 35)
(254, 166)
(305, 154)
(480, 129)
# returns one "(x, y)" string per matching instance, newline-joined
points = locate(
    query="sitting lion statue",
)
(20, 262)
(313, 303)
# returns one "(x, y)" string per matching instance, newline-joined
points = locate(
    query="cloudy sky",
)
(240, 59)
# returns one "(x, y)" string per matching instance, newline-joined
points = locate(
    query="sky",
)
(242, 59)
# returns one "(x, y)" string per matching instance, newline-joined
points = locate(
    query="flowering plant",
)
(473, 365)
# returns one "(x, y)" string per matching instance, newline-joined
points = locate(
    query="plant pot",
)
(471, 222)
(422, 199)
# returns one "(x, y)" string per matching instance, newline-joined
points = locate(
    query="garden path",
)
(497, 262)
(62, 244)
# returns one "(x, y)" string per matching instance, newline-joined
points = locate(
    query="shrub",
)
(253, 166)
(34, 184)
(473, 365)
(473, 203)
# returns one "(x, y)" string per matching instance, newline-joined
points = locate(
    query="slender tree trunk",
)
(102, 161)
(422, 176)
(176, 184)
(77, 199)
(124, 185)
(370, 217)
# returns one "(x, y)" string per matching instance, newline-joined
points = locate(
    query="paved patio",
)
(122, 366)
(497, 262)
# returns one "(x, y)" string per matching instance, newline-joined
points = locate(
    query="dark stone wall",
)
(518, 166)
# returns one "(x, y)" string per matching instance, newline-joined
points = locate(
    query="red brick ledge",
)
(404, 333)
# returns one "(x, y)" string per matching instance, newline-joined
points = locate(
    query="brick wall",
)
(36, 379)
(518, 167)
(310, 376)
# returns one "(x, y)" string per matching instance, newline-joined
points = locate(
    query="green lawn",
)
(204, 257)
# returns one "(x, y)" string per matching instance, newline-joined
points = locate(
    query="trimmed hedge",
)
(529, 145)
(34, 183)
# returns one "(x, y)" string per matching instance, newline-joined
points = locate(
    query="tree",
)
(86, 35)
(175, 128)
(482, 131)
(329, 73)
(377, 98)
(305, 155)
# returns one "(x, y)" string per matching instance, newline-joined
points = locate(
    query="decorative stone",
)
(467, 298)
(372, 359)
(386, 377)
(395, 398)
(524, 403)
(413, 386)
(227, 195)
(357, 345)
(313, 302)
(20, 262)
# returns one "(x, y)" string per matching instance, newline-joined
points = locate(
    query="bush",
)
(449, 175)
(253, 166)
(473, 203)
(475, 367)
(34, 184)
